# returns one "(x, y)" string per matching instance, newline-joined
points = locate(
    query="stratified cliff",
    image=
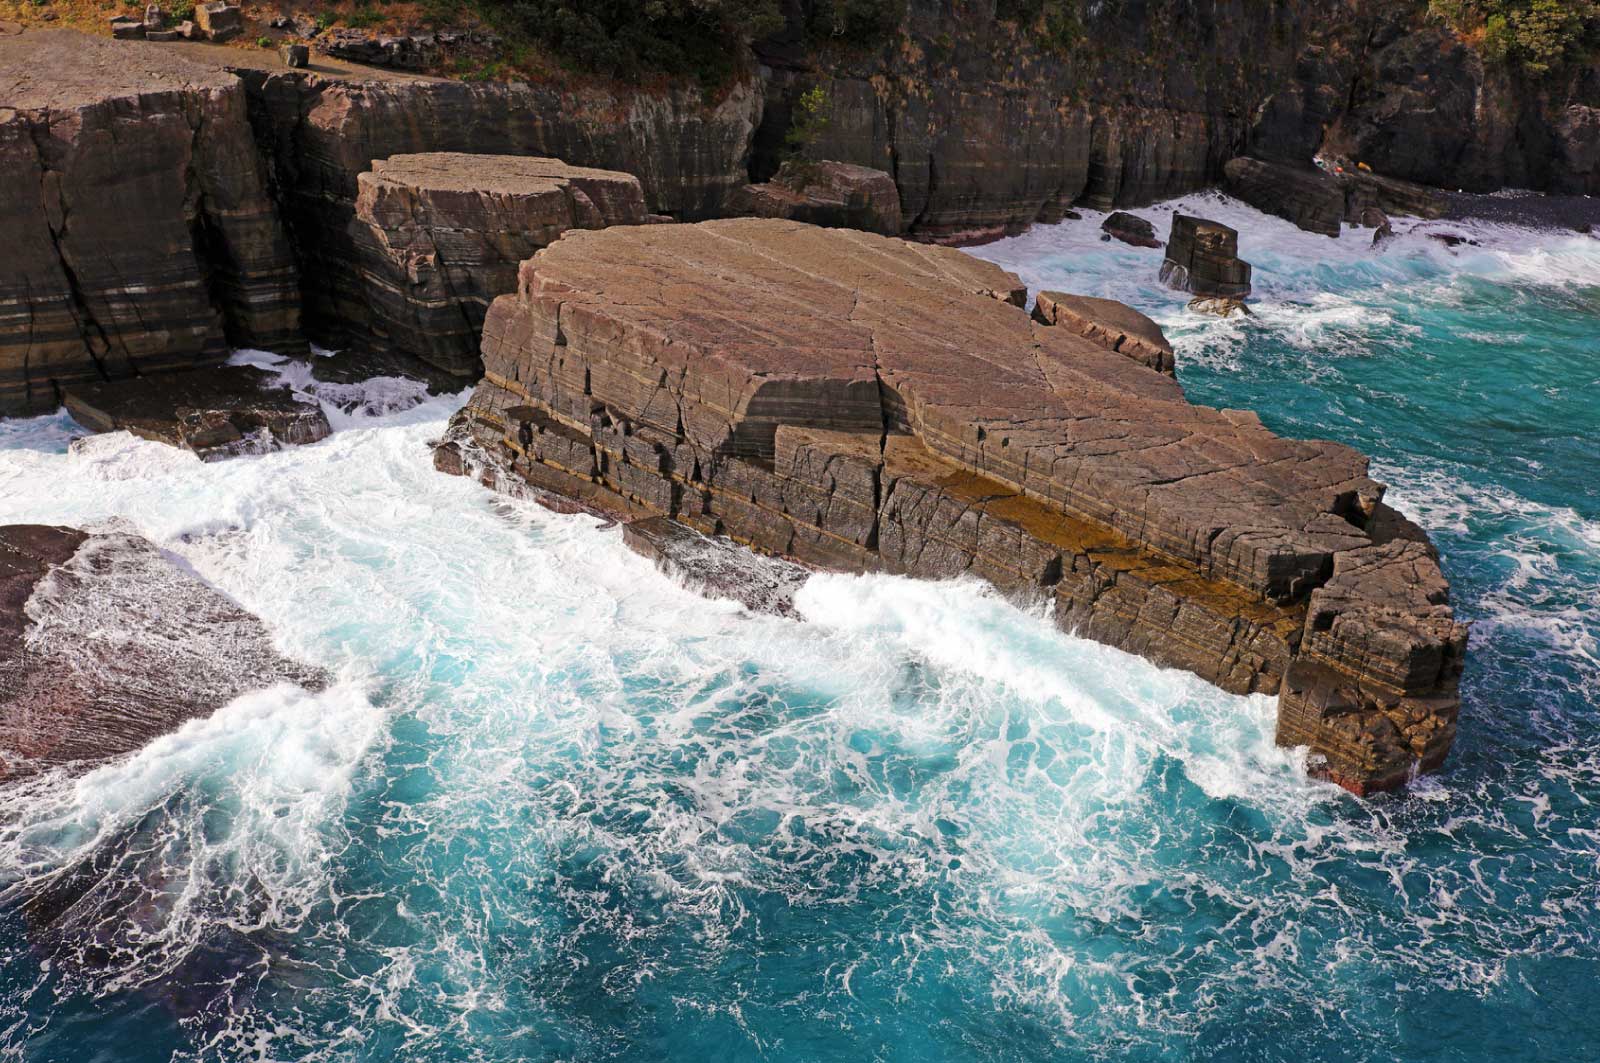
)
(138, 232)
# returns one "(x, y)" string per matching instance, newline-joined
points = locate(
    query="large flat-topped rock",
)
(857, 402)
(735, 327)
(440, 234)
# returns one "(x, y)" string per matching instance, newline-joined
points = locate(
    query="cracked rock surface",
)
(858, 402)
(140, 234)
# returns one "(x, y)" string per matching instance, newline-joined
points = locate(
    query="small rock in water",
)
(1130, 229)
(1203, 258)
(717, 567)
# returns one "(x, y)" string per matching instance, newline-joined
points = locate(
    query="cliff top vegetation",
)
(1537, 36)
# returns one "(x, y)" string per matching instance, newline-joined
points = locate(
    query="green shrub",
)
(181, 11)
(808, 120)
(263, 42)
(855, 22)
(1537, 36)
(1053, 24)
(363, 18)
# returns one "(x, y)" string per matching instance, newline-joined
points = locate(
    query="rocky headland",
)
(862, 403)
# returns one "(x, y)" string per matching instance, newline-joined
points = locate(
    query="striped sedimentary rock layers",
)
(439, 235)
(140, 237)
(858, 402)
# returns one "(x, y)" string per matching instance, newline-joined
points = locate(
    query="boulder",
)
(140, 235)
(295, 55)
(127, 28)
(217, 413)
(441, 235)
(861, 403)
(1131, 229)
(1203, 258)
(219, 21)
(154, 18)
(105, 644)
(834, 194)
(174, 34)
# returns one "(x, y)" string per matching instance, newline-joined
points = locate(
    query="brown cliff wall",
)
(140, 234)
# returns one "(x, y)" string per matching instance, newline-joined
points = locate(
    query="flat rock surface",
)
(62, 68)
(736, 326)
(105, 644)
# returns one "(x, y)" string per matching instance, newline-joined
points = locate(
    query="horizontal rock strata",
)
(856, 402)
(140, 236)
(1203, 258)
(439, 235)
(217, 413)
(105, 644)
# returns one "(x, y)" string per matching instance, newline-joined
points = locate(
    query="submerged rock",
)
(217, 413)
(1203, 258)
(834, 194)
(439, 235)
(862, 403)
(106, 644)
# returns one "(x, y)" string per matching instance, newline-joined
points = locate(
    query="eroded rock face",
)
(689, 154)
(105, 644)
(1203, 258)
(140, 236)
(217, 413)
(440, 235)
(857, 402)
(834, 194)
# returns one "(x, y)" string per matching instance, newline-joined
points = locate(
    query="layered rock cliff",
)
(858, 402)
(140, 236)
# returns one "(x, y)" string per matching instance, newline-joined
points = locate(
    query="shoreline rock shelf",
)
(862, 403)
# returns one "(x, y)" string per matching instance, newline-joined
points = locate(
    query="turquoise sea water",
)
(557, 808)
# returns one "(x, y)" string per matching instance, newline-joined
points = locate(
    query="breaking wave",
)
(557, 807)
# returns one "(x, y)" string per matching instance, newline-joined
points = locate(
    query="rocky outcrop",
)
(140, 235)
(106, 644)
(1203, 258)
(438, 236)
(322, 133)
(1130, 229)
(833, 194)
(857, 402)
(1323, 202)
(218, 413)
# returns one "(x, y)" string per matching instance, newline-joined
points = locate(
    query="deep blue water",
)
(558, 808)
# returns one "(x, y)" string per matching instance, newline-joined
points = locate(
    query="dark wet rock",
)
(716, 567)
(1319, 201)
(140, 236)
(1113, 325)
(105, 644)
(295, 55)
(217, 413)
(1203, 258)
(416, 51)
(861, 403)
(833, 194)
(441, 235)
(1452, 240)
(1305, 195)
(1131, 229)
